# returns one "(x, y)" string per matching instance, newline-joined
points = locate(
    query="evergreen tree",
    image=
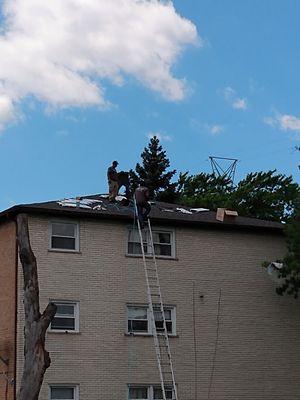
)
(153, 172)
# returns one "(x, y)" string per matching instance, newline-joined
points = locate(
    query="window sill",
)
(64, 332)
(64, 251)
(147, 335)
(149, 257)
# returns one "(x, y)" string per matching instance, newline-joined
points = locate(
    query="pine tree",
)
(153, 172)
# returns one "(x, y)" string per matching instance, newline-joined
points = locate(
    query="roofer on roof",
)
(141, 195)
(112, 177)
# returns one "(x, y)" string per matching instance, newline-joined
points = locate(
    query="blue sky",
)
(232, 92)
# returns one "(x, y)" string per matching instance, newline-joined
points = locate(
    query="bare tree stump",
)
(36, 358)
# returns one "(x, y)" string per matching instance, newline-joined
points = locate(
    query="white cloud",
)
(240, 104)
(213, 129)
(216, 129)
(160, 136)
(60, 51)
(231, 98)
(285, 122)
(7, 110)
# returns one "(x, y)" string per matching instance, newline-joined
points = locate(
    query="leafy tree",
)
(289, 274)
(266, 195)
(291, 263)
(205, 190)
(153, 172)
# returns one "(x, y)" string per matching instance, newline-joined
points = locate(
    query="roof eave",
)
(10, 214)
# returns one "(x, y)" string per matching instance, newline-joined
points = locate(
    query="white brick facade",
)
(256, 354)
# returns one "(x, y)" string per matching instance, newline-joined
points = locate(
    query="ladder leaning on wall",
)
(156, 308)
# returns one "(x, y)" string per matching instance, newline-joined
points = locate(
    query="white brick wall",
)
(257, 352)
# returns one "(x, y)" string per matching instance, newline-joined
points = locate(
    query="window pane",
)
(157, 393)
(161, 237)
(169, 326)
(135, 248)
(63, 229)
(138, 393)
(134, 236)
(63, 323)
(160, 326)
(63, 309)
(167, 314)
(62, 393)
(137, 313)
(157, 314)
(137, 326)
(63, 243)
(163, 249)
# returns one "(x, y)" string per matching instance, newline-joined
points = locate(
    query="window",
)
(66, 317)
(64, 236)
(139, 321)
(138, 393)
(148, 393)
(163, 242)
(60, 392)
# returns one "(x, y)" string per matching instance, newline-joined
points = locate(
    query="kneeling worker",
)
(141, 195)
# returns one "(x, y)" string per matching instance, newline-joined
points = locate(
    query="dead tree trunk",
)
(36, 358)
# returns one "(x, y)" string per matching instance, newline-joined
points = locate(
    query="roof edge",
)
(11, 213)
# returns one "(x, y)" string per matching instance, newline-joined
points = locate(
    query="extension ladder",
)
(156, 308)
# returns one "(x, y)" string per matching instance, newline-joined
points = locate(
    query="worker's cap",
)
(115, 162)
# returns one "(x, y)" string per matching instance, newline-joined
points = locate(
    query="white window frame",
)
(150, 326)
(64, 385)
(76, 316)
(58, 221)
(150, 390)
(171, 231)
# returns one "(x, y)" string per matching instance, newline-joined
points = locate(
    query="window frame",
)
(75, 387)
(76, 316)
(156, 229)
(76, 237)
(149, 332)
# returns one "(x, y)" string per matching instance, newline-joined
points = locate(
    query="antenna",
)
(224, 167)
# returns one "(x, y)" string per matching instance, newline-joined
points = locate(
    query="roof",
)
(98, 207)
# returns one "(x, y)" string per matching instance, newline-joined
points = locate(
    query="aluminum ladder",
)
(160, 334)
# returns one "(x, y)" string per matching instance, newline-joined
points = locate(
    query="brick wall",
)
(254, 356)
(7, 307)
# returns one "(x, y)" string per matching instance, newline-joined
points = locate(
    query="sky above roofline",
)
(84, 86)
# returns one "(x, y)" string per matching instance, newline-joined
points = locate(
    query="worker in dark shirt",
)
(141, 195)
(113, 185)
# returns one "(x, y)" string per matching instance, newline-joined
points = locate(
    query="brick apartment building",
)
(231, 336)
